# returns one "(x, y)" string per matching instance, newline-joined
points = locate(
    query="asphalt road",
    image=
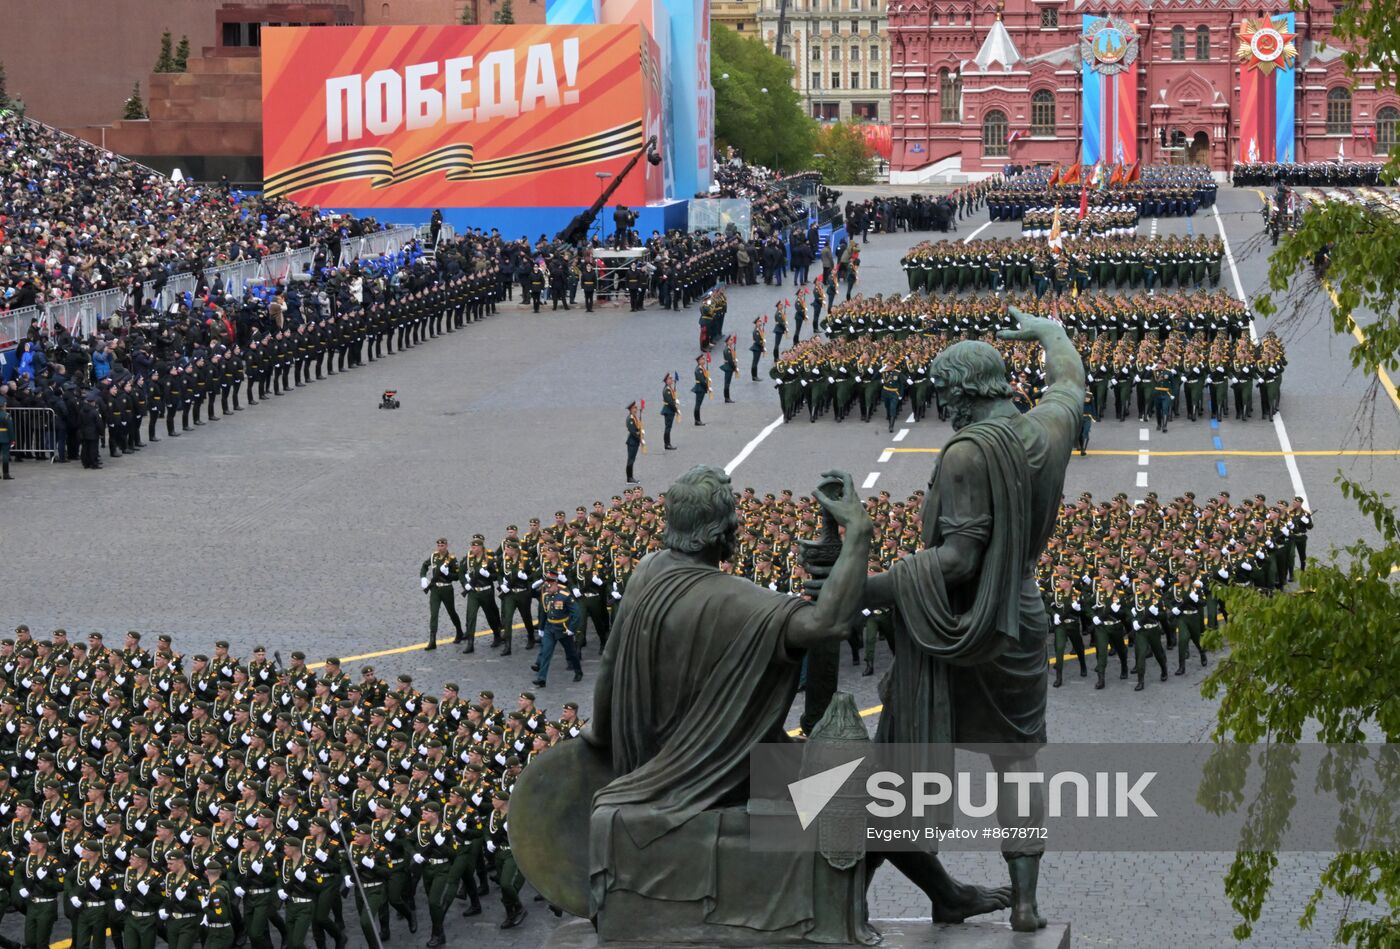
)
(301, 523)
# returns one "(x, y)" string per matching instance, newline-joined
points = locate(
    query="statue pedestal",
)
(902, 934)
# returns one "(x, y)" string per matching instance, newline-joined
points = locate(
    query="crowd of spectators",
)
(76, 219)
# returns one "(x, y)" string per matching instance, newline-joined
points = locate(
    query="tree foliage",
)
(134, 108)
(4, 92)
(182, 54)
(1323, 664)
(468, 17)
(165, 62)
(845, 155)
(505, 15)
(768, 128)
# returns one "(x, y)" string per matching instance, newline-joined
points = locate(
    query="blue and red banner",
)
(1109, 53)
(1267, 58)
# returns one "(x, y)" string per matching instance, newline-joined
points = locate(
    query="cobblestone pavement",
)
(301, 523)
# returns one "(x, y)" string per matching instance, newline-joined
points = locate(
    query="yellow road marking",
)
(877, 709)
(1384, 376)
(1360, 337)
(399, 650)
(1320, 453)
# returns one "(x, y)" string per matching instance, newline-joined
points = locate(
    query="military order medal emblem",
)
(1266, 45)
(1110, 46)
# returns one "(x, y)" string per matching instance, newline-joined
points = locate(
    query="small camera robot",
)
(389, 400)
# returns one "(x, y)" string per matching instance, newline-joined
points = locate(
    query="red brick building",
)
(975, 87)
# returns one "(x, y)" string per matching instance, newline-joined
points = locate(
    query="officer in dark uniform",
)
(669, 407)
(701, 388)
(635, 438)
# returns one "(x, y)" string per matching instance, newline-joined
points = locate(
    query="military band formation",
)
(213, 797)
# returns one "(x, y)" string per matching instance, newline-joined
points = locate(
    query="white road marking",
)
(870, 480)
(1283, 442)
(1143, 458)
(753, 443)
(1142, 479)
(1290, 461)
(910, 419)
(899, 436)
(1142, 434)
(885, 455)
(968, 238)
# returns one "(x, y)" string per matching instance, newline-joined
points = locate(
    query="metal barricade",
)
(14, 325)
(33, 432)
(82, 315)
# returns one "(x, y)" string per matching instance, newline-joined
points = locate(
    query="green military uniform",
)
(435, 851)
(498, 845)
(91, 884)
(326, 868)
(1109, 615)
(438, 575)
(256, 875)
(39, 881)
(220, 905)
(298, 892)
(388, 832)
(1147, 621)
(181, 908)
(1187, 604)
(373, 866)
(138, 899)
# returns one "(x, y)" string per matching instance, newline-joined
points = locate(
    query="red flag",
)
(1135, 173)
(1083, 202)
(1071, 177)
(1054, 177)
(1117, 176)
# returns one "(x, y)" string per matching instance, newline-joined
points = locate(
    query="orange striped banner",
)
(456, 116)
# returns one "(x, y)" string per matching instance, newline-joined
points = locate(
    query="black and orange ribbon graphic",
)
(457, 162)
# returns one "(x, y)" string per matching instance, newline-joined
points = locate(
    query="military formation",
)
(1153, 191)
(1137, 315)
(1157, 357)
(219, 798)
(1123, 577)
(1095, 263)
(1323, 173)
(1146, 577)
(1115, 220)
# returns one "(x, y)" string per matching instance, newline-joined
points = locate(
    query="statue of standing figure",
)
(970, 624)
(642, 826)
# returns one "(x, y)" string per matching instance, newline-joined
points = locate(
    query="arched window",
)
(1339, 111)
(994, 134)
(1178, 42)
(1202, 43)
(949, 97)
(1387, 130)
(1043, 113)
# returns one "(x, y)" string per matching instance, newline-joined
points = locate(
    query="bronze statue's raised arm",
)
(830, 618)
(1063, 366)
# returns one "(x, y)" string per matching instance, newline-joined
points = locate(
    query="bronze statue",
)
(970, 623)
(643, 825)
